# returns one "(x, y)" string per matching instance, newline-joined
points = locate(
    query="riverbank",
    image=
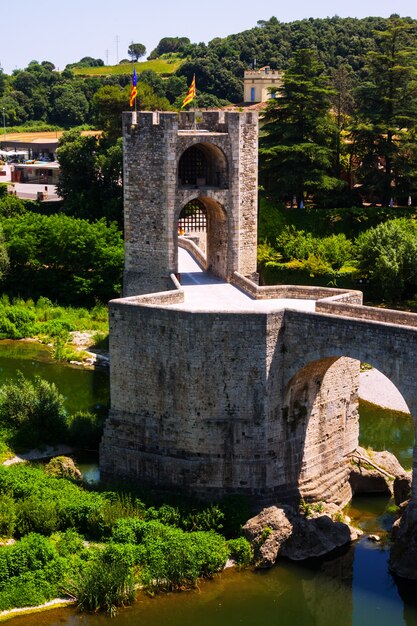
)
(377, 389)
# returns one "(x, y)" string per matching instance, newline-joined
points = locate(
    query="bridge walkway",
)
(205, 292)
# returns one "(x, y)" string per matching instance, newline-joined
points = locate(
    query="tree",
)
(386, 123)
(107, 105)
(91, 176)
(342, 103)
(70, 106)
(66, 259)
(168, 45)
(387, 255)
(298, 138)
(136, 50)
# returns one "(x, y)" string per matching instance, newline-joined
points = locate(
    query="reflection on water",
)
(83, 390)
(382, 429)
(350, 588)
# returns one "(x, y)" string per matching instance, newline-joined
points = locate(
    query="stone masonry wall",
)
(199, 402)
(153, 199)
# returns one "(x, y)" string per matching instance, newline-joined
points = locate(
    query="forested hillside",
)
(40, 93)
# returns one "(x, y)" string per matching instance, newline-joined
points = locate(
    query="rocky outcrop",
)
(267, 532)
(63, 467)
(403, 555)
(284, 532)
(374, 472)
(402, 488)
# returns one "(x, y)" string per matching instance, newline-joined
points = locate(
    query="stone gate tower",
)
(168, 163)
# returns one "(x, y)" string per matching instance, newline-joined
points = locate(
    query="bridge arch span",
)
(317, 343)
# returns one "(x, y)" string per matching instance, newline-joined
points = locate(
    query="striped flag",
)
(190, 95)
(134, 90)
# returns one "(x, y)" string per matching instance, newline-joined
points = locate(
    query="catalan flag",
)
(134, 90)
(190, 95)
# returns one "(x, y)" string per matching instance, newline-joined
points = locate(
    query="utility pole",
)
(117, 49)
(107, 56)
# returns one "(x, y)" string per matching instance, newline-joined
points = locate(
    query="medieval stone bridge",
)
(243, 389)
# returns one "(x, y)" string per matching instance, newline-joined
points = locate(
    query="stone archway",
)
(320, 415)
(217, 233)
(203, 165)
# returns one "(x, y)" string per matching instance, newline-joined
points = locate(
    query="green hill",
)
(160, 66)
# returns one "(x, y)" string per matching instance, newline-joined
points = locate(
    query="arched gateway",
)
(168, 163)
(258, 398)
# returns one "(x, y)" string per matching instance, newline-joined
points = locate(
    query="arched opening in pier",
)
(326, 422)
(203, 222)
(203, 165)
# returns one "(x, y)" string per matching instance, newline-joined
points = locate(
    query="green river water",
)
(350, 588)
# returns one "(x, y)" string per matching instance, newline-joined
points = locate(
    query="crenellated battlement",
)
(207, 121)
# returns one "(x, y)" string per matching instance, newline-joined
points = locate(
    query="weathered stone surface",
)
(267, 532)
(403, 555)
(402, 488)
(317, 536)
(388, 462)
(366, 477)
(278, 532)
(262, 404)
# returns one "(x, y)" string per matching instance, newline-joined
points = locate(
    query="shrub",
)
(33, 410)
(85, 429)
(240, 550)
(169, 557)
(63, 467)
(388, 257)
(7, 515)
(35, 514)
(104, 585)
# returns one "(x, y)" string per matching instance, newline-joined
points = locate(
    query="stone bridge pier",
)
(389, 348)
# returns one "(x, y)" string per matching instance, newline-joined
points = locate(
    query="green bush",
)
(169, 557)
(34, 411)
(11, 206)
(16, 322)
(66, 259)
(105, 586)
(7, 515)
(34, 514)
(240, 550)
(85, 430)
(387, 255)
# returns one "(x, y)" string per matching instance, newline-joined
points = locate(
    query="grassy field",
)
(160, 66)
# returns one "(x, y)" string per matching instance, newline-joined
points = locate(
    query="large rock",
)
(402, 488)
(283, 532)
(317, 536)
(365, 476)
(267, 532)
(63, 467)
(403, 555)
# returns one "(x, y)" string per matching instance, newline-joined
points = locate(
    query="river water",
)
(350, 588)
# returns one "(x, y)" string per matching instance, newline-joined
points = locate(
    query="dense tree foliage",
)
(387, 255)
(298, 135)
(385, 124)
(168, 45)
(66, 259)
(91, 176)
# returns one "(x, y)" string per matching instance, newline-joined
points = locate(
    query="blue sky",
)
(64, 31)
